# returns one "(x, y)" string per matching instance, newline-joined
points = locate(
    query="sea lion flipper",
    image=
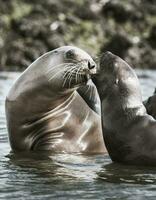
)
(91, 97)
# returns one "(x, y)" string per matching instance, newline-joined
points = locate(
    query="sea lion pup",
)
(44, 110)
(129, 132)
(150, 105)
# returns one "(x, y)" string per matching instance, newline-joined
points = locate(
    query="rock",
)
(120, 11)
(152, 37)
(29, 27)
(118, 44)
(86, 12)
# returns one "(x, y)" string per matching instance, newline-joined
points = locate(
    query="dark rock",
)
(6, 6)
(121, 12)
(85, 12)
(22, 53)
(152, 37)
(29, 27)
(118, 45)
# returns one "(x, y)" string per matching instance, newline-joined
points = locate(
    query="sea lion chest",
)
(64, 128)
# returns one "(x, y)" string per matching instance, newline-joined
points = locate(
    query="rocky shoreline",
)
(31, 28)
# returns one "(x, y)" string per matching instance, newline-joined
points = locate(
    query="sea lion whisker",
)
(56, 66)
(54, 75)
(70, 77)
(50, 72)
(68, 71)
(80, 76)
(77, 73)
(72, 73)
(69, 68)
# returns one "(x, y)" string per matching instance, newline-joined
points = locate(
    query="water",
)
(66, 176)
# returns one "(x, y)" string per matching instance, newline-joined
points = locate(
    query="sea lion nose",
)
(91, 65)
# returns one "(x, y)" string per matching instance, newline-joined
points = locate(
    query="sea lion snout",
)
(106, 56)
(89, 68)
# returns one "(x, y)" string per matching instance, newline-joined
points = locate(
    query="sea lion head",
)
(72, 67)
(115, 79)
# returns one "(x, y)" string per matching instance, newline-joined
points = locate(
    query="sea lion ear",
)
(70, 54)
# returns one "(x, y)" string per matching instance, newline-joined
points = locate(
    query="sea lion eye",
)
(70, 54)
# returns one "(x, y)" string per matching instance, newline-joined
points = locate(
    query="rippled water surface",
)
(64, 176)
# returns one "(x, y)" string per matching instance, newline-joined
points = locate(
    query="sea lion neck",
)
(100, 85)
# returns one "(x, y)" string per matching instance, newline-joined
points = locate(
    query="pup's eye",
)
(70, 54)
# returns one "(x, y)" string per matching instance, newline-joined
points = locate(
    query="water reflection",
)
(117, 173)
(60, 166)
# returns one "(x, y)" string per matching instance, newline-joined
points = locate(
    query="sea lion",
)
(45, 111)
(129, 132)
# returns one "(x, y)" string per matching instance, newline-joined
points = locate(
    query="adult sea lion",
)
(45, 111)
(129, 132)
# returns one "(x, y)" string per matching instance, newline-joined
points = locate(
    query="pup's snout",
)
(107, 56)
